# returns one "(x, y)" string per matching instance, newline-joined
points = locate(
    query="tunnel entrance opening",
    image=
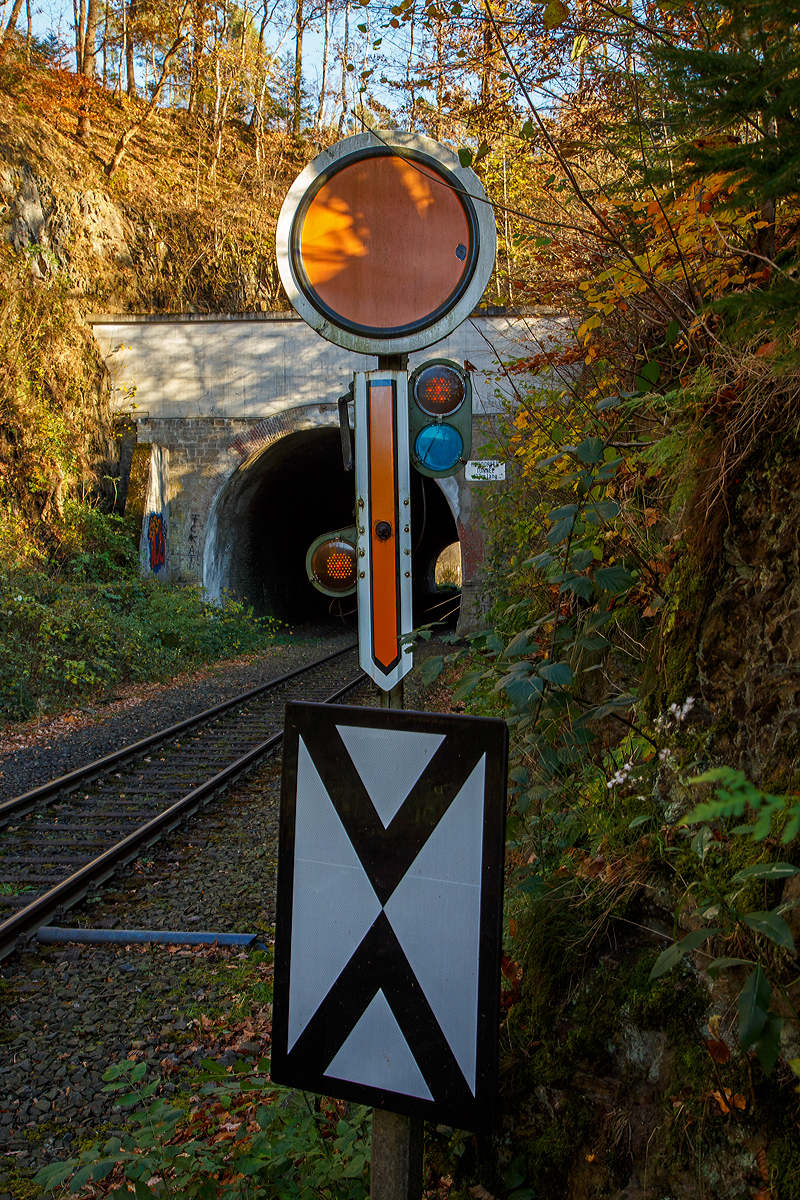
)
(433, 528)
(275, 505)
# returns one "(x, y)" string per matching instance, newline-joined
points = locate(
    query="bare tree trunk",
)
(80, 20)
(297, 86)
(194, 75)
(486, 66)
(90, 41)
(129, 134)
(11, 24)
(105, 48)
(28, 34)
(345, 49)
(130, 10)
(88, 60)
(409, 75)
(324, 81)
(439, 78)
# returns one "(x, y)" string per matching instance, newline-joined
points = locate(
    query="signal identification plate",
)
(389, 921)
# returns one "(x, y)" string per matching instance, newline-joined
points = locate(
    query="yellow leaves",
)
(726, 1100)
(579, 47)
(585, 330)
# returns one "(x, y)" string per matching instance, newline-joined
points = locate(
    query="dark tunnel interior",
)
(273, 508)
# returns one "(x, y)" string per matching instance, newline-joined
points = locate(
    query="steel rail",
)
(19, 805)
(71, 890)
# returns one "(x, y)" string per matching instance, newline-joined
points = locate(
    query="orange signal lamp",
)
(331, 562)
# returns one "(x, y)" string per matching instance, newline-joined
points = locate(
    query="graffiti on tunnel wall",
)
(156, 537)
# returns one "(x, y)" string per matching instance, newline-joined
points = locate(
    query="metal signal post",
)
(383, 524)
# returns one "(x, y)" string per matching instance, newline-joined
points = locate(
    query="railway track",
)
(63, 839)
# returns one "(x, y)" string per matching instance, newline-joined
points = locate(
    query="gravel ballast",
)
(67, 1011)
(107, 726)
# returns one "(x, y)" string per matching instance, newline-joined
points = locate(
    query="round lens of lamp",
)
(439, 391)
(333, 565)
(439, 447)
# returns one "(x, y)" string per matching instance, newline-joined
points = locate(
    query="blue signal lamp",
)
(440, 418)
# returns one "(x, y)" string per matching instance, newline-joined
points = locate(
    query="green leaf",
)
(468, 685)
(670, 957)
(602, 510)
(515, 1175)
(613, 579)
(520, 689)
(579, 585)
(519, 644)
(432, 668)
(560, 531)
(590, 450)
(102, 1168)
(637, 821)
(543, 463)
(566, 510)
(650, 372)
(725, 964)
(768, 1045)
(591, 643)
(556, 673)
(771, 926)
(465, 157)
(673, 329)
(608, 402)
(773, 870)
(80, 1178)
(581, 559)
(555, 14)
(753, 1004)
(54, 1174)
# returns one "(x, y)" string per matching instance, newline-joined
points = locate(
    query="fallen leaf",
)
(717, 1049)
(480, 1193)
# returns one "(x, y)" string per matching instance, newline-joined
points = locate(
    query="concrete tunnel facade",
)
(245, 466)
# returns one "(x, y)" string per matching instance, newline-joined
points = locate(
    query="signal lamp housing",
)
(331, 562)
(440, 418)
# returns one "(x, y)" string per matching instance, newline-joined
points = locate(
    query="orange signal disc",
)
(385, 244)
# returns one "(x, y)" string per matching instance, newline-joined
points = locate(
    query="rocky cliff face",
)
(749, 647)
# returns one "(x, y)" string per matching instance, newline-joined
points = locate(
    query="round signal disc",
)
(385, 243)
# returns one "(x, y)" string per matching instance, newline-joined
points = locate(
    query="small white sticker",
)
(485, 469)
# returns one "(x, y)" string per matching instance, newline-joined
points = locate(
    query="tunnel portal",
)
(271, 509)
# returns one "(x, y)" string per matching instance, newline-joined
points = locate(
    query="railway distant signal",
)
(385, 243)
(331, 562)
(440, 418)
(389, 910)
